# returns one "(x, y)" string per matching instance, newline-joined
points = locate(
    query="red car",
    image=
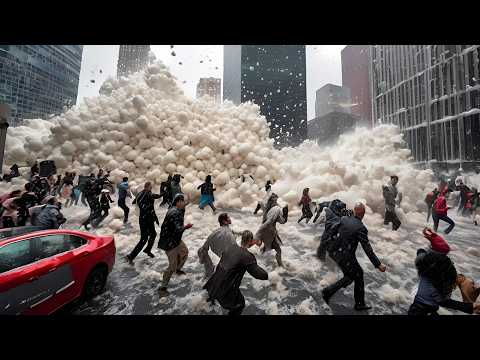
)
(41, 271)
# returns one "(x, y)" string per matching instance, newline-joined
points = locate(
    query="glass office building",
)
(39, 80)
(273, 77)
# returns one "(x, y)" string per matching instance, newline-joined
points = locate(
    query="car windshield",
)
(17, 231)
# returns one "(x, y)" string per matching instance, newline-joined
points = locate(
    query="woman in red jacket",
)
(440, 210)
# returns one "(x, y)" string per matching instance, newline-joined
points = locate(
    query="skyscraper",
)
(356, 77)
(331, 98)
(432, 92)
(39, 80)
(273, 77)
(211, 87)
(132, 58)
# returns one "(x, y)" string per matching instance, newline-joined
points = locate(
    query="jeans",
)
(437, 218)
(147, 233)
(124, 207)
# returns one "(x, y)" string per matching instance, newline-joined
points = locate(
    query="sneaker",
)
(362, 307)
(149, 253)
(129, 260)
(180, 272)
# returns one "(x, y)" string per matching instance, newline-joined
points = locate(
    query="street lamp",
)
(4, 114)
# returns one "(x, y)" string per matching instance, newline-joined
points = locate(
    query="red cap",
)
(437, 242)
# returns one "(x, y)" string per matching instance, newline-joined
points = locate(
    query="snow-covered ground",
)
(294, 290)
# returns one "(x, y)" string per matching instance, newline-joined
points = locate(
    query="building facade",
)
(331, 98)
(327, 128)
(274, 78)
(432, 92)
(131, 59)
(356, 77)
(211, 87)
(39, 80)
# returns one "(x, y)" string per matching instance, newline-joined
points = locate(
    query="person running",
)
(430, 200)
(218, 241)
(261, 204)
(475, 205)
(438, 279)
(50, 216)
(147, 219)
(91, 193)
(464, 190)
(171, 241)
(175, 187)
(351, 231)
(267, 233)
(105, 201)
(166, 191)
(123, 192)
(27, 200)
(206, 190)
(305, 202)
(333, 215)
(224, 285)
(392, 198)
(440, 210)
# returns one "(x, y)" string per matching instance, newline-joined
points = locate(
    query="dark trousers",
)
(437, 218)
(82, 199)
(147, 233)
(352, 272)
(419, 309)
(95, 211)
(391, 217)
(124, 207)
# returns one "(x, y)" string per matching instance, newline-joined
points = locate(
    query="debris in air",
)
(173, 53)
(92, 81)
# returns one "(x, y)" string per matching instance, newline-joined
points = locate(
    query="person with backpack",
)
(206, 191)
(430, 200)
(171, 241)
(224, 285)
(305, 202)
(440, 210)
(333, 215)
(147, 218)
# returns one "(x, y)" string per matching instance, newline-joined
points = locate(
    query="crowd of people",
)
(40, 202)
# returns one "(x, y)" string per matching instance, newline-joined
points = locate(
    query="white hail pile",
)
(144, 127)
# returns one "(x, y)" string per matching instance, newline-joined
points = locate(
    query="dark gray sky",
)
(323, 66)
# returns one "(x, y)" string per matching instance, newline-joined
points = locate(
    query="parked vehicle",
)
(41, 271)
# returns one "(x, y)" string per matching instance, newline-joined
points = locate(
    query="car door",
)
(20, 272)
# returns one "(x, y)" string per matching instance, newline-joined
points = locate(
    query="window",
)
(51, 245)
(15, 255)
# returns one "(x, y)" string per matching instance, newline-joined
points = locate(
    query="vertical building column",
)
(428, 98)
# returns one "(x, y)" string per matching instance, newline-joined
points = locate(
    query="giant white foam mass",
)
(144, 127)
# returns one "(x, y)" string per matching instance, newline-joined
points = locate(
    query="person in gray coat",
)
(218, 241)
(392, 199)
(50, 217)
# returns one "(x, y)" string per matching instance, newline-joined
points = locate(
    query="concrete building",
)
(432, 92)
(331, 98)
(131, 59)
(356, 77)
(274, 78)
(211, 87)
(326, 129)
(37, 81)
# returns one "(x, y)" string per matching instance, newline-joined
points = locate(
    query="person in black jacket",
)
(438, 278)
(333, 214)
(147, 219)
(92, 193)
(165, 190)
(171, 241)
(224, 285)
(349, 232)
(27, 200)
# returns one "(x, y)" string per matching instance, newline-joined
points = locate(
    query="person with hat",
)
(342, 249)
(105, 201)
(171, 241)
